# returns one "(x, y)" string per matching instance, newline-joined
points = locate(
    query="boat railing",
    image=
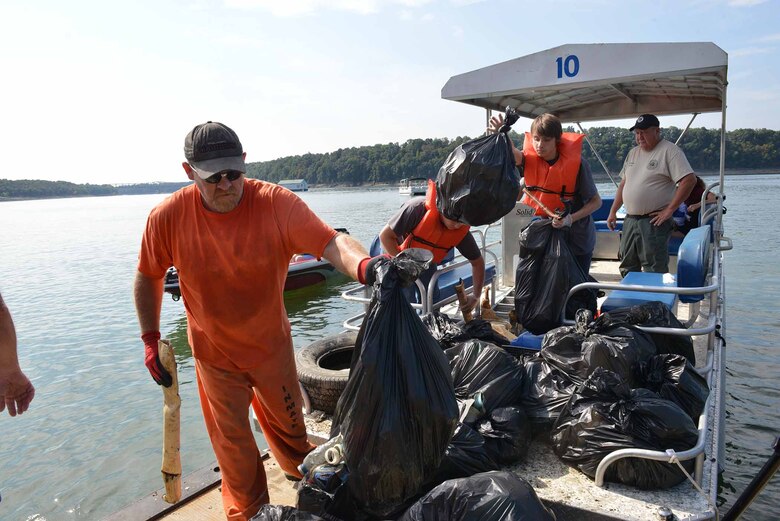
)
(362, 294)
(697, 451)
(708, 370)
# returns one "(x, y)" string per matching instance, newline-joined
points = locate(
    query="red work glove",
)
(367, 268)
(152, 359)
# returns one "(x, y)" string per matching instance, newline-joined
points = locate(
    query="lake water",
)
(91, 441)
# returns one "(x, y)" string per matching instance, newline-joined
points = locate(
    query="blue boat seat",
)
(625, 298)
(528, 340)
(692, 265)
(448, 281)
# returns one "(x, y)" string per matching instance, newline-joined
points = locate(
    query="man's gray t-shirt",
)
(651, 177)
(409, 216)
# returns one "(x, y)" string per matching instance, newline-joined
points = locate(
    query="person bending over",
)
(419, 224)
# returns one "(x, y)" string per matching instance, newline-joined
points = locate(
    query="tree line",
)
(383, 164)
(387, 164)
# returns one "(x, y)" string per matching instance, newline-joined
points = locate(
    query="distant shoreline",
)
(598, 176)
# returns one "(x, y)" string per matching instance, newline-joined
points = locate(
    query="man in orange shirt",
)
(231, 240)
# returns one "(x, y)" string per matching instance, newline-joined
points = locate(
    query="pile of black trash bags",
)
(426, 424)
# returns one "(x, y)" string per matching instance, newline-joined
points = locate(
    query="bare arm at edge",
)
(616, 204)
(593, 204)
(345, 253)
(16, 391)
(389, 240)
(478, 279)
(148, 294)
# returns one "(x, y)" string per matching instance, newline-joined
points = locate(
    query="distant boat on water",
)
(413, 186)
(295, 185)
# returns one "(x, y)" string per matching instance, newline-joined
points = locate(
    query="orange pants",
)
(225, 397)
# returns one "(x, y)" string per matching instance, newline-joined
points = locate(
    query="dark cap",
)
(212, 147)
(645, 121)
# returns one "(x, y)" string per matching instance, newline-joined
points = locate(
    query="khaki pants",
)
(643, 246)
(225, 397)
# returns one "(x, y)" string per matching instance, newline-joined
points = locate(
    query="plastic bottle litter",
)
(319, 455)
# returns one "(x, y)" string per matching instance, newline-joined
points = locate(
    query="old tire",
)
(323, 369)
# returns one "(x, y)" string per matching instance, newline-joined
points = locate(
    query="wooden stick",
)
(541, 204)
(461, 291)
(487, 312)
(171, 460)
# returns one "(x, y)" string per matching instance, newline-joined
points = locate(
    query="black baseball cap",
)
(213, 147)
(645, 121)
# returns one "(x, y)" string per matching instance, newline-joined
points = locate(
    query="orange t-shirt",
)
(232, 268)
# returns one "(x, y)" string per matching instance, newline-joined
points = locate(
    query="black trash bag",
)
(655, 314)
(398, 410)
(480, 367)
(545, 273)
(507, 434)
(605, 415)
(444, 329)
(545, 392)
(674, 378)
(478, 182)
(490, 496)
(481, 329)
(283, 513)
(578, 350)
(318, 487)
(466, 455)
(449, 332)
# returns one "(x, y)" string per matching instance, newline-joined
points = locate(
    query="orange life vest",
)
(430, 233)
(552, 184)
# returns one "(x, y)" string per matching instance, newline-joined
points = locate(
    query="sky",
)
(104, 92)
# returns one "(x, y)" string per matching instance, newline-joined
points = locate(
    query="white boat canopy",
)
(587, 82)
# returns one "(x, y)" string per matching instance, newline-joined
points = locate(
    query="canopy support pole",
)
(603, 164)
(686, 128)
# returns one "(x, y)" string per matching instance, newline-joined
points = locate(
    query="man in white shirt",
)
(656, 177)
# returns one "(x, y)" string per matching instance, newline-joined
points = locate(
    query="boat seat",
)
(447, 281)
(692, 265)
(528, 340)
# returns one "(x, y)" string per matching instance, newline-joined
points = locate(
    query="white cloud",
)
(466, 2)
(770, 38)
(291, 8)
(457, 31)
(413, 3)
(745, 3)
(750, 51)
(762, 95)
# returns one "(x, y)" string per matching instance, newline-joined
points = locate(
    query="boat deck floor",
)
(202, 496)
(208, 506)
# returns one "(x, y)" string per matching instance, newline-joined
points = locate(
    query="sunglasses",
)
(231, 175)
